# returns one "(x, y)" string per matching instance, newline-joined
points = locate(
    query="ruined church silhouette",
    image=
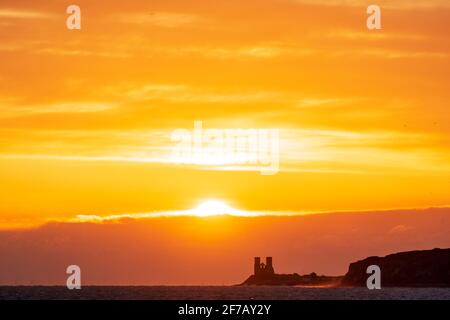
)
(263, 269)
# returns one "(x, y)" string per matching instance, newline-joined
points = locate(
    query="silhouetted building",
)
(263, 269)
(264, 275)
(269, 267)
(257, 265)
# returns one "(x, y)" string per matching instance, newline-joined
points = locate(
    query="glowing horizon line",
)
(234, 213)
(86, 218)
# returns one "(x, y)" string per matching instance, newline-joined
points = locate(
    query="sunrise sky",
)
(86, 116)
(86, 119)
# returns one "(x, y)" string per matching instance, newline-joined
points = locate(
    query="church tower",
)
(269, 267)
(257, 266)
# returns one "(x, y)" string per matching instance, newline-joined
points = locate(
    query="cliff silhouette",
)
(427, 268)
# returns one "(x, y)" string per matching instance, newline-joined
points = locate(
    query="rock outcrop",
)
(428, 268)
(291, 280)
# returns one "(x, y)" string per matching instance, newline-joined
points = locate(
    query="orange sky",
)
(86, 117)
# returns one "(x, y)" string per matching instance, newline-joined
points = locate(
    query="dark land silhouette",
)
(264, 274)
(427, 268)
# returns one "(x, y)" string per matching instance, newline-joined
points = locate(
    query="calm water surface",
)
(221, 293)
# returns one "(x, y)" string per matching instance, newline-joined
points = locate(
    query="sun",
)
(213, 208)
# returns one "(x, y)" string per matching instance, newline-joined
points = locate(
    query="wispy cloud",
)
(394, 4)
(309, 102)
(259, 51)
(196, 212)
(178, 213)
(301, 150)
(184, 93)
(15, 110)
(161, 19)
(82, 53)
(24, 14)
(395, 54)
(372, 36)
(401, 228)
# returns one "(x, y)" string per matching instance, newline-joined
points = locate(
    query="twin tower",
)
(263, 269)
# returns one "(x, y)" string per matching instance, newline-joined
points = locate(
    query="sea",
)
(218, 293)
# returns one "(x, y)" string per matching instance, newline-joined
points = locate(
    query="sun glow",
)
(206, 208)
(213, 208)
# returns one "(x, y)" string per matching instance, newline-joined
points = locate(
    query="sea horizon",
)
(135, 292)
